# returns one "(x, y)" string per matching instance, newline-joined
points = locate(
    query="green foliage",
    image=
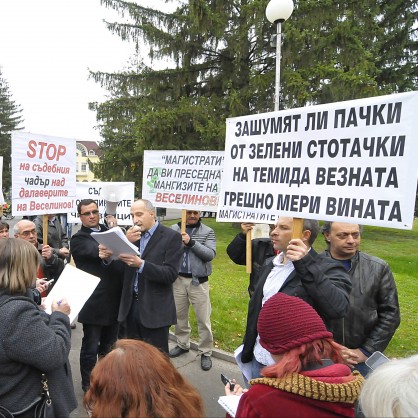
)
(221, 64)
(10, 119)
(229, 282)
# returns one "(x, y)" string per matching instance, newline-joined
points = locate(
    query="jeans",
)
(97, 342)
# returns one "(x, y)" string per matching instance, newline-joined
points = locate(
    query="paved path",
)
(207, 383)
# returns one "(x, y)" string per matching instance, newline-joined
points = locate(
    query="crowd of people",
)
(313, 319)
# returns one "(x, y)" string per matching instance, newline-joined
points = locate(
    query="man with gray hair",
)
(51, 265)
(373, 313)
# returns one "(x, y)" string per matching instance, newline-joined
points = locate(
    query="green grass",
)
(229, 296)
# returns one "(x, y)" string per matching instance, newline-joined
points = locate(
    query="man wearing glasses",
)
(373, 314)
(192, 287)
(50, 265)
(99, 314)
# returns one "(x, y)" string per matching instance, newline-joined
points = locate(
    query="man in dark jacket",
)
(261, 250)
(147, 303)
(373, 314)
(99, 314)
(297, 271)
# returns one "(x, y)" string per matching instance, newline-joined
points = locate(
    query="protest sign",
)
(43, 174)
(351, 161)
(183, 179)
(96, 191)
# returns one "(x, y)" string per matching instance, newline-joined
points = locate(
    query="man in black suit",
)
(147, 306)
(99, 314)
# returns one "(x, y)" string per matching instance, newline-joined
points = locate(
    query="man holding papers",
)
(99, 314)
(147, 303)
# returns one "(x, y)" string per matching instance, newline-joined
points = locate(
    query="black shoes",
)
(177, 351)
(206, 363)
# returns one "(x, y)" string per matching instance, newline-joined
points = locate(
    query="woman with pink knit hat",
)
(309, 378)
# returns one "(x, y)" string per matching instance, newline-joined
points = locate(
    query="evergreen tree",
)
(10, 119)
(224, 66)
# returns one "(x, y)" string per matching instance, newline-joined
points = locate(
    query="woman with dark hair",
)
(308, 377)
(32, 342)
(4, 229)
(137, 380)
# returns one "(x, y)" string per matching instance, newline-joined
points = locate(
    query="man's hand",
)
(185, 238)
(296, 250)
(104, 252)
(246, 226)
(47, 252)
(111, 221)
(131, 260)
(352, 356)
(133, 234)
(64, 252)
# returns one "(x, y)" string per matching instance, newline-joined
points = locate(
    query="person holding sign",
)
(261, 250)
(373, 314)
(50, 265)
(100, 312)
(192, 287)
(57, 237)
(298, 270)
(147, 305)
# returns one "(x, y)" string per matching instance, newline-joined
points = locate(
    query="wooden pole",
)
(45, 230)
(183, 221)
(248, 250)
(297, 228)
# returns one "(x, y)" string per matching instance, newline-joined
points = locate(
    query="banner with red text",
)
(183, 179)
(353, 161)
(43, 174)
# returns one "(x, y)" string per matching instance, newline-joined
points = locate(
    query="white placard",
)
(76, 286)
(183, 179)
(94, 190)
(351, 161)
(43, 174)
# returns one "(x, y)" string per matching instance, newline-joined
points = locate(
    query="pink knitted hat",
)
(287, 322)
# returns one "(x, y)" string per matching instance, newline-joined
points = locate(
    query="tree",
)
(223, 66)
(10, 119)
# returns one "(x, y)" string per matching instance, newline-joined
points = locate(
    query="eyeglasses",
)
(93, 212)
(27, 233)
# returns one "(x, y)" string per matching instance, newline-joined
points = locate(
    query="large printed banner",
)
(43, 174)
(183, 179)
(353, 161)
(122, 193)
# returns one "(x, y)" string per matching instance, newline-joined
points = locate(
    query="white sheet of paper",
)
(115, 240)
(245, 367)
(76, 286)
(230, 404)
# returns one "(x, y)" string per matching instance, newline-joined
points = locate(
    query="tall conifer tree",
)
(223, 65)
(10, 119)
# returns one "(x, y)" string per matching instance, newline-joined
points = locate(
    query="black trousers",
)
(158, 337)
(97, 341)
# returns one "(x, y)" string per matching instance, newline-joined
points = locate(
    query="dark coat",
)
(102, 307)
(317, 279)
(373, 315)
(162, 256)
(261, 250)
(33, 342)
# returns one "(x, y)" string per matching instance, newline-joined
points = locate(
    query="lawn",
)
(229, 296)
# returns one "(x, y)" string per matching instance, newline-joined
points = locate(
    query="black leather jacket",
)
(261, 249)
(373, 315)
(318, 280)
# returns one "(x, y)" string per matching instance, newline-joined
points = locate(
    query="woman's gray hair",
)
(391, 390)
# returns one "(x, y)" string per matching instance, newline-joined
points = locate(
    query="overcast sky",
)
(46, 49)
